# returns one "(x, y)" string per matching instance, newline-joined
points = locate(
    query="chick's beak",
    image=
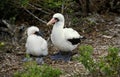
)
(52, 21)
(39, 33)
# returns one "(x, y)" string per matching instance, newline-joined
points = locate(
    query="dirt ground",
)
(104, 33)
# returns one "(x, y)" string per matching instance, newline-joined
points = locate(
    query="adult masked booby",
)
(65, 39)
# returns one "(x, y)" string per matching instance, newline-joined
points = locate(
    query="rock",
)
(105, 36)
(117, 25)
(117, 20)
(96, 18)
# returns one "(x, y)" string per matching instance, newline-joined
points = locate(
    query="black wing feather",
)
(74, 41)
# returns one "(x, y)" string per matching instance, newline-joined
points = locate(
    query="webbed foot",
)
(65, 56)
(27, 59)
(39, 61)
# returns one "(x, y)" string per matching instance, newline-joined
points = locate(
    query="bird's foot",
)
(65, 56)
(39, 61)
(27, 59)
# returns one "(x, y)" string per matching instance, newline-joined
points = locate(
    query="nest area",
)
(100, 34)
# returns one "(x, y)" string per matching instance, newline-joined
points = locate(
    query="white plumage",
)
(70, 33)
(35, 45)
(60, 36)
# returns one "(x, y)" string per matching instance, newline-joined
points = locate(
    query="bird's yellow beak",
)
(52, 21)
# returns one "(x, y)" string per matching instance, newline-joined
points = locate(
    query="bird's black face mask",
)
(39, 33)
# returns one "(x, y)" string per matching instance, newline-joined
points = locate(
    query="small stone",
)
(105, 36)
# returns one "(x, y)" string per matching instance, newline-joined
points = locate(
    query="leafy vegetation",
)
(2, 44)
(12, 8)
(52, 3)
(34, 70)
(24, 3)
(107, 66)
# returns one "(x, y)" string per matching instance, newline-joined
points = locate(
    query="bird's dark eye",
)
(57, 19)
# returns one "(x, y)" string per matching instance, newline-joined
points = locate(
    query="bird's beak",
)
(52, 21)
(39, 33)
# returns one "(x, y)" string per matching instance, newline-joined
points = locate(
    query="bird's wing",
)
(71, 35)
(44, 47)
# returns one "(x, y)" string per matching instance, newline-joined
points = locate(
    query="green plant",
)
(34, 70)
(63, 6)
(2, 44)
(75, 20)
(24, 3)
(52, 4)
(7, 9)
(107, 66)
(111, 62)
(86, 57)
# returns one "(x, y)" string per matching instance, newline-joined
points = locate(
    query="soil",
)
(105, 32)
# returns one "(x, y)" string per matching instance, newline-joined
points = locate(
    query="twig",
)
(51, 11)
(9, 27)
(38, 8)
(7, 24)
(35, 16)
(63, 4)
(3, 29)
